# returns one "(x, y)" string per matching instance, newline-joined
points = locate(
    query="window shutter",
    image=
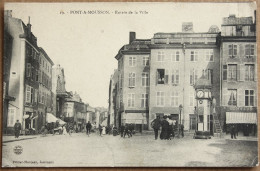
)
(157, 77)
(173, 81)
(255, 73)
(241, 70)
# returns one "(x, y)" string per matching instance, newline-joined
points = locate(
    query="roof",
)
(203, 82)
(46, 55)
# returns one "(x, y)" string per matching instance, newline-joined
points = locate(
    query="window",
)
(224, 72)
(249, 72)
(144, 100)
(209, 56)
(232, 72)
(232, 51)
(160, 76)
(193, 56)
(160, 57)
(28, 71)
(28, 94)
(210, 75)
(232, 94)
(35, 96)
(145, 79)
(249, 97)
(249, 50)
(37, 75)
(176, 56)
(175, 77)
(160, 98)
(132, 61)
(11, 117)
(39, 97)
(132, 79)
(145, 60)
(33, 73)
(131, 100)
(174, 99)
(192, 99)
(32, 97)
(193, 76)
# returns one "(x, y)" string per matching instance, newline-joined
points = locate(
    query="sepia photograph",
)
(130, 84)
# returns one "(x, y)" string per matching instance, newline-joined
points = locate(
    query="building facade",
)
(44, 77)
(157, 76)
(112, 99)
(239, 74)
(23, 84)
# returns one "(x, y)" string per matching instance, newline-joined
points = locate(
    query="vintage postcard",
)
(130, 85)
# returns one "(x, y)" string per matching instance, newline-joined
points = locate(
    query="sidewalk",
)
(11, 138)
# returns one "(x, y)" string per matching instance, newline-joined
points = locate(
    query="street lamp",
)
(180, 108)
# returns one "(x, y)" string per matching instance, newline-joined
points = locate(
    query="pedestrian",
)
(100, 130)
(64, 131)
(233, 132)
(88, 128)
(70, 128)
(165, 126)
(103, 130)
(17, 129)
(156, 124)
(182, 130)
(170, 128)
(131, 129)
(122, 129)
(127, 131)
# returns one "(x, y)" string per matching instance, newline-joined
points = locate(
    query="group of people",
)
(127, 129)
(168, 128)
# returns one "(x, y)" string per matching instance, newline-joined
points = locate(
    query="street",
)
(140, 150)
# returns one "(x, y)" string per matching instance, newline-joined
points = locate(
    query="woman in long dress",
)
(64, 131)
(103, 130)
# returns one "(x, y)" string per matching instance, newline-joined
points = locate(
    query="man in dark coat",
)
(165, 127)
(156, 124)
(17, 129)
(88, 127)
(233, 131)
(122, 129)
(127, 131)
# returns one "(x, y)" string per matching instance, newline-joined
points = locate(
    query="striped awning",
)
(240, 117)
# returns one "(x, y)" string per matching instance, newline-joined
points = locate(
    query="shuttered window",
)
(28, 94)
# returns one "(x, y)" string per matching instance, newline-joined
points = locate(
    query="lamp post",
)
(180, 108)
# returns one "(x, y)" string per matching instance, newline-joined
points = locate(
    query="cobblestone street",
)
(140, 150)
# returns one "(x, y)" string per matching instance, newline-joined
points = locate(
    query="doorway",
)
(192, 122)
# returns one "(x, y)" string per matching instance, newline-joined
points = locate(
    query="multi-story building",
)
(59, 90)
(44, 77)
(178, 60)
(157, 76)
(8, 43)
(112, 99)
(238, 66)
(23, 84)
(133, 83)
(73, 111)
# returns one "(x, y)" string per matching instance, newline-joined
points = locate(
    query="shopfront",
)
(244, 122)
(139, 120)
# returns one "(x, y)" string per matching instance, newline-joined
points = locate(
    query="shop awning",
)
(51, 118)
(240, 117)
(135, 118)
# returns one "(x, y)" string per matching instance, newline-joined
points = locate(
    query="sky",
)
(85, 45)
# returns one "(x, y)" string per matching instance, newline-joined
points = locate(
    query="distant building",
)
(59, 90)
(112, 111)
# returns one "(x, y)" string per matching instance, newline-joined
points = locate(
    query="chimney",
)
(131, 37)
(29, 26)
